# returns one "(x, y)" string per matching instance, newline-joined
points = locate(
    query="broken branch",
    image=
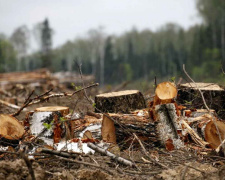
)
(111, 155)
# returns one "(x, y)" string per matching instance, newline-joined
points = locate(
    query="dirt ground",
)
(182, 164)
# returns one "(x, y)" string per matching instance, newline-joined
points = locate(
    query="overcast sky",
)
(73, 18)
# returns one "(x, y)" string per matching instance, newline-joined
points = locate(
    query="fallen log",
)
(127, 124)
(122, 101)
(48, 122)
(11, 131)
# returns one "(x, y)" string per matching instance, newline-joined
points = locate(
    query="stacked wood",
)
(11, 131)
(48, 122)
(214, 95)
(122, 101)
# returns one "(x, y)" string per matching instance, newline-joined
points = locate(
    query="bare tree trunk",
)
(223, 35)
(102, 66)
(214, 37)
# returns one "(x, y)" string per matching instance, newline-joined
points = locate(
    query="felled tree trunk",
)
(11, 131)
(48, 122)
(168, 126)
(125, 126)
(122, 101)
(210, 129)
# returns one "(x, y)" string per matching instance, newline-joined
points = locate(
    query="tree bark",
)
(47, 122)
(122, 101)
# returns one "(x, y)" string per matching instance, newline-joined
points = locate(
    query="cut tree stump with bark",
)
(121, 101)
(48, 122)
(165, 92)
(214, 95)
(11, 131)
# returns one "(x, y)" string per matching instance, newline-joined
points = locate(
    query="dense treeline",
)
(132, 55)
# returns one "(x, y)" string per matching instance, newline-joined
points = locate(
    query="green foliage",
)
(7, 56)
(94, 105)
(48, 126)
(172, 79)
(137, 55)
(62, 119)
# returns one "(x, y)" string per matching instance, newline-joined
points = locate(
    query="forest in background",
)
(134, 55)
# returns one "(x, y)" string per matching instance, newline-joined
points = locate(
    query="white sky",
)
(73, 18)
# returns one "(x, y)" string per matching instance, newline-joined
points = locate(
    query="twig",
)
(85, 163)
(111, 155)
(29, 100)
(61, 94)
(90, 101)
(146, 153)
(9, 104)
(204, 102)
(29, 165)
(142, 173)
(58, 153)
(184, 173)
(194, 136)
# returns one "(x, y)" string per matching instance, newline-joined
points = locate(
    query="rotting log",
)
(121, 101)
(188, 95)
(168, 126)
(48, 122)
(11, 131)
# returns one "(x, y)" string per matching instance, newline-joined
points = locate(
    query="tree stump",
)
(48, 122)
(11, 131)
(121, 101)
(189, 96)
